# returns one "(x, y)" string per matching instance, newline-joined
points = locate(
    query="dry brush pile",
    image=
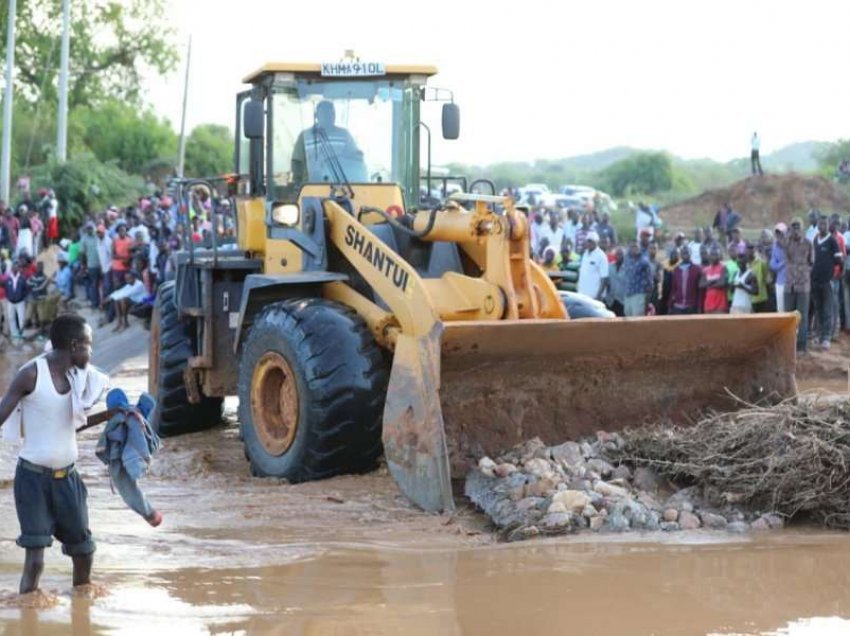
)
(792, 458)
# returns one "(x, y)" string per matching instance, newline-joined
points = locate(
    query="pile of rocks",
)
(535, 489)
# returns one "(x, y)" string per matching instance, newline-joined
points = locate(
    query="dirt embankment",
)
(761, 201)
(826, 371)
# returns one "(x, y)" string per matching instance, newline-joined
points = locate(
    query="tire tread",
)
(174, 414)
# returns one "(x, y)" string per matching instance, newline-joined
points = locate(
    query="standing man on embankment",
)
(50, 497)
(755, 150)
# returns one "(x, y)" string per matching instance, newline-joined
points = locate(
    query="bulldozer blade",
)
(505, 382)
(413, 432)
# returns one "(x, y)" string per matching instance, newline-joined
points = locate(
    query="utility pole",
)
(62, 127)
(6, 162)
(181, 152)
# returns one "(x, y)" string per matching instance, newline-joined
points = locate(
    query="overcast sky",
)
(541, 79)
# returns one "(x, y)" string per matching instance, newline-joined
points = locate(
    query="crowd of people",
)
(797, 266)
(116, 257)
(112, 262)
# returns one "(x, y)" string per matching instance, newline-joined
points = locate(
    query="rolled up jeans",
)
(799, 301)
(129, 490)
(635, 305)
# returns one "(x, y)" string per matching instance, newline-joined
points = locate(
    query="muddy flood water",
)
(238, 555)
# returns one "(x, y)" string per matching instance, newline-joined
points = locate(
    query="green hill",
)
(798, 157)
(693, 175)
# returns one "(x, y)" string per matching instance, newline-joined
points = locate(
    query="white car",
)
(531, 196)
(577, 190)
(561, 201)
(580, 306)
(588, 195)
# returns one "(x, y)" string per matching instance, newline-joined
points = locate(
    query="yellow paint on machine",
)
(282, 257)
(251, 216)
(375, 195)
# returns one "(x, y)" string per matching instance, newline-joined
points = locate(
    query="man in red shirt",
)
(28, 265)
(714, 282)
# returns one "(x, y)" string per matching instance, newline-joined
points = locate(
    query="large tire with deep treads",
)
(312, 387)
(171, 347)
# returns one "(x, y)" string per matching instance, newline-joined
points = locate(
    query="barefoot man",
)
(50, 497)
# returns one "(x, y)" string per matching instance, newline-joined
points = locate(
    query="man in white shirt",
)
(132, 293)
(139, 228)
(755, 146)
(571, 225)
(812, 230)
(693, 247)
(50, 498)
(536, 227)
(552, 232)
(593, 271)
(104, 256)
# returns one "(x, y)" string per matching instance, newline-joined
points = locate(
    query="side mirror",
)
(451, 121)
(252, 119)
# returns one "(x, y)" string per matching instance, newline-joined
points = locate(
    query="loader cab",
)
(311, 129)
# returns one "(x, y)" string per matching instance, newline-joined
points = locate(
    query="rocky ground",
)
(535, 490)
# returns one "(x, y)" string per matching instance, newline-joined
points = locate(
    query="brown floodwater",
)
(791, 582)
(238, 555)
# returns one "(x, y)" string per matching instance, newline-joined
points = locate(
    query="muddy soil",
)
(827, 371)
(350, 555)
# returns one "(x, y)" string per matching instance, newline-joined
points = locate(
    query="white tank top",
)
(48, 423)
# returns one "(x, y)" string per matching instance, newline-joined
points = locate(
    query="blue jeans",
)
(799, 301)
(108, 288)
(823, 300)
(129, 490)
(93, 286)
(75, 270)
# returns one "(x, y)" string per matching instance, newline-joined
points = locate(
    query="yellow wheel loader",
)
(351, 320)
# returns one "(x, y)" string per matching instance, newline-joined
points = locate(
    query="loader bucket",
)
(501, 383)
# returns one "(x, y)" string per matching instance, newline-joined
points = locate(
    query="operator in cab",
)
(325, 149)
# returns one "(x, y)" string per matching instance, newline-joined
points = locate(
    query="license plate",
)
(353, 69)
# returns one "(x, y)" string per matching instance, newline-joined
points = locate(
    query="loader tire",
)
(312, 386)
(171, 348)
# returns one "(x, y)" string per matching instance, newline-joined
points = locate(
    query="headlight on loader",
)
(285, 214)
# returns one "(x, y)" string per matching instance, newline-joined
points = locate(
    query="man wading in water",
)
(50, 497)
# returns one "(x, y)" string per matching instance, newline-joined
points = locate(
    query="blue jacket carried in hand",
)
(126, 446)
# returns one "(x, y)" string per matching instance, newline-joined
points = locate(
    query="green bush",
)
(831, 156)
(120, 132)
(209, 151)
(642, 173)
